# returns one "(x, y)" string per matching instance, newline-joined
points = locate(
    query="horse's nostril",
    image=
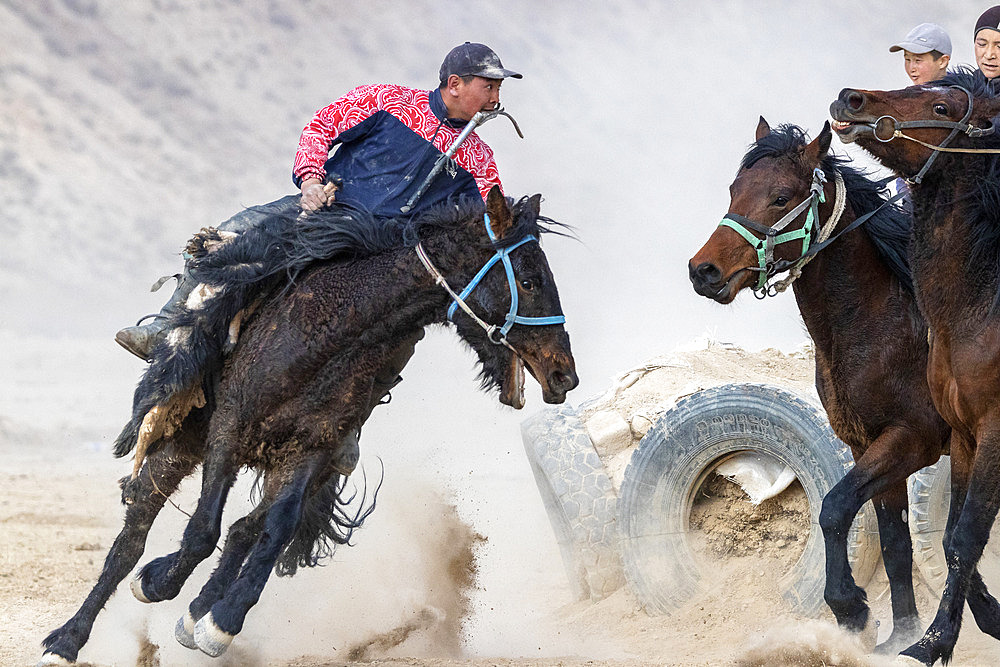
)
(708, 273)
(562, 381)
(855, 101)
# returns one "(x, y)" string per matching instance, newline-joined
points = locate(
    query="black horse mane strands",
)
(981, 202)
(889, 229)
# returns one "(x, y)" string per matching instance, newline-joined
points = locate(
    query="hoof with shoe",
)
(136, 587)
(184, 631)
(52, 659)
(210, 638)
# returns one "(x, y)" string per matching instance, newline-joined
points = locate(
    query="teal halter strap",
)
(772, 235)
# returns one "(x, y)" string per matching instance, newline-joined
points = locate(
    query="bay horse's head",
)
(772, 214)
(908, 129)
(516, 319)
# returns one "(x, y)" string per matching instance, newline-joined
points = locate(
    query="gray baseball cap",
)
(925, 38)
(471, 59)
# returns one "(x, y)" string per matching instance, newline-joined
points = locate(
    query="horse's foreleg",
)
(215, 631)
(162, 578)
(891, 508)
(884, 465)
(973, 479)
(125, 552)
(241, 537)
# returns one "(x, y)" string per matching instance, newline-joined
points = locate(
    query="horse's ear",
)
(496, 207)
(817, 148)
(763, 129)
(534, 205)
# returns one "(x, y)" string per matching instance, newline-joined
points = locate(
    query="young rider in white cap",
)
(926, 52)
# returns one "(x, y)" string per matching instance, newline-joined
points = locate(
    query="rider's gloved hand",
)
(315, 195)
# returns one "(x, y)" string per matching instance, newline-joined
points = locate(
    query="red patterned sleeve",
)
(320, 133)
(478, 160)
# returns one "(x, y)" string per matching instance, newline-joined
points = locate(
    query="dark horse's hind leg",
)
(879, 473)
(969, 529)
(162, 578)
(125, 552)
(240, 539)
(215, 631)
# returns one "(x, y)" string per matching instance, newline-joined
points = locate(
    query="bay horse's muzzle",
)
(706, 278)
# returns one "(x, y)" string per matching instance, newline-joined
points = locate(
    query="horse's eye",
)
(780, 201)
(941, 109)
(527, 285)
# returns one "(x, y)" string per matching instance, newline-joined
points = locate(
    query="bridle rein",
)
(497, 334)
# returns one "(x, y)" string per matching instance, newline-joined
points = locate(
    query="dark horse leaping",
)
(300, 381)
(956, 269)
(857, 302)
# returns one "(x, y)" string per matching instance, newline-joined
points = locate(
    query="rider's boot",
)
(142, 338)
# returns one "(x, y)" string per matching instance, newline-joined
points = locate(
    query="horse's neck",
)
(843, 288)
(950, 285)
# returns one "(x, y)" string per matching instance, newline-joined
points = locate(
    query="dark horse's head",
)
(774, 177)
(892, 124)
(537, 340)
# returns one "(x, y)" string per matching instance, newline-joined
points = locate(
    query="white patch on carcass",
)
(199, 295)
(178, 336)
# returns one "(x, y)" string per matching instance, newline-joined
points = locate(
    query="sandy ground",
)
(433, 579)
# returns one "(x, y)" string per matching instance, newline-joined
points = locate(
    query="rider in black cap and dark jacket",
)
(987, 45)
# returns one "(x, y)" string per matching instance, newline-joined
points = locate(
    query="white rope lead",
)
(839, 203)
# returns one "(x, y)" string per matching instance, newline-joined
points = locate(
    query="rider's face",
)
(478, 94)
(923, 68)
(988, 52)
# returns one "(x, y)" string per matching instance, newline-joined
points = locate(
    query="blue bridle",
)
(502, 255)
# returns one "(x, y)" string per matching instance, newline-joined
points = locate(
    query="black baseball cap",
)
(471, 59)
(990, 19)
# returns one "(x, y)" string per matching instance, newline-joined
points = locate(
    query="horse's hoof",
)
(210, 638)
(49, 659)
(136, 587)
(184, 631)
(869, 634)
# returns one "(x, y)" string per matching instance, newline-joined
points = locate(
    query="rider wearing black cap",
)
(387, 139)
(987, 43)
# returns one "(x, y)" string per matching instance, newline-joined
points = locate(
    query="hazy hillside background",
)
(125, 127)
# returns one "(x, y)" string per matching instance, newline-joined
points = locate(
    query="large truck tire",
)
(683, 448)
(930, 499)
(579, 500)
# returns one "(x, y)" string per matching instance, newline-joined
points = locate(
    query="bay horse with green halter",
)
(299, 383)
(942, 138)
(796, 207)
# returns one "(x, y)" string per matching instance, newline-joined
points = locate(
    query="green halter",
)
(773, 236)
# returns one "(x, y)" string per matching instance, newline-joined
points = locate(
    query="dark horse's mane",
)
(285, 244)
(889, 229)
(981, 201)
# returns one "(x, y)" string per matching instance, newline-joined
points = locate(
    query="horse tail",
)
(327, 521)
